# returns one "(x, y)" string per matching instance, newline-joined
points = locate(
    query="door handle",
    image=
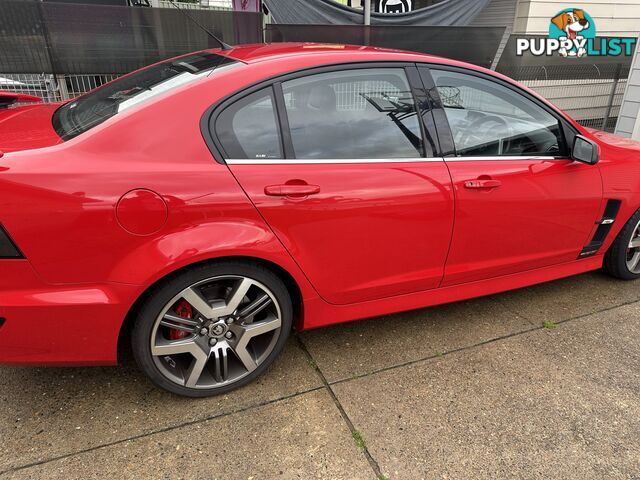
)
(291, 190)
(482, 183)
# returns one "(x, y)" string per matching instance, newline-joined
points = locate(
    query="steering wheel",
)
(481, 129)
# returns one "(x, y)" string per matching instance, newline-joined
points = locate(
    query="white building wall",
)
(614, 17)
(628, 121)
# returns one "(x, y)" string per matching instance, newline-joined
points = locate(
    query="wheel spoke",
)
(179, 323)
(245, 357)
(236, 296)
(259, 328)
(221, 363)
(632, 264)
(175, 347)
(255, 307)
(194, 372)
(250, 331)
(635, 243)
(196, 301)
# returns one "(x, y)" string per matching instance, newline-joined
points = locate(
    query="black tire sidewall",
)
(616, 257)
(159, 297)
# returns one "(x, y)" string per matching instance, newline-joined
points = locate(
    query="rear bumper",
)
(63, 325)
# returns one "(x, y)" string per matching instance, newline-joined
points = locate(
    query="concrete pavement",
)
(478, 389)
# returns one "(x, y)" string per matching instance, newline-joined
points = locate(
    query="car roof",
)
(271, 51)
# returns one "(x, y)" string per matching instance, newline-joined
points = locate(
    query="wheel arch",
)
(123, 347)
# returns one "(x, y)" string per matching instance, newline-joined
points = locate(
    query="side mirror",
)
(585, 151)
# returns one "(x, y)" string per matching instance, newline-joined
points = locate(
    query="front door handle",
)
(291, 190)
(482, 183)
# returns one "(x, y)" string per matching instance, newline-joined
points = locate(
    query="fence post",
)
(61, 86)
(47, 38)
(612, 94)
(367, 12)
(501, 47)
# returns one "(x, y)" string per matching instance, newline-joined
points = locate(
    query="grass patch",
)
(357, 437)
(548, 324)
(383, 477)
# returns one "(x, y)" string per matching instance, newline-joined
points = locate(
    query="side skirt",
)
(318, 313)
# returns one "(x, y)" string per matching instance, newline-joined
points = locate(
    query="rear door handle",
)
(288, 190)
(482, 183)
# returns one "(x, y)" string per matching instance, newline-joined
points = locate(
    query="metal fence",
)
(593, 103)
(211, 5)
(53, 88)
(589, 92)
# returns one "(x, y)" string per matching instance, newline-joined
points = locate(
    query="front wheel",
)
(213, 328)
(622, 260)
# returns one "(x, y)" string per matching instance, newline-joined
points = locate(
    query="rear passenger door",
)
(336, 162)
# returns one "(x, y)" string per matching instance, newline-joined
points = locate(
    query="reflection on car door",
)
(521, 202)
(357, 203)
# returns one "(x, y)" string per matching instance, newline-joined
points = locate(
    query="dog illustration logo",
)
(395, 6)
(572, 27)
(572, 34)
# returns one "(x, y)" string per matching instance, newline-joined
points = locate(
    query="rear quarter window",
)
(90, 110)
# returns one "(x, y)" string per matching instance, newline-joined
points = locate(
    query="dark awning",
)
(444, 13)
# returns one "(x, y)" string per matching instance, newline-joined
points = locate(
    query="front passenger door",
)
(521, 202)
(349, 187)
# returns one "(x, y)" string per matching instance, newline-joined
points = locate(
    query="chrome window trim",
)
(327, 161)
(323, 161)
(503, 157)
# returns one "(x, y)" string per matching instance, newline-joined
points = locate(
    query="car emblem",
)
(217, 329)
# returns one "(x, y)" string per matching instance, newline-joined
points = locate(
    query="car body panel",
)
(320, 313)
(384, 227)
(84, 272)
(549, 207)
(27, 127)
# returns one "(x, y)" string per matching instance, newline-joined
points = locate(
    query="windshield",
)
(89, 110)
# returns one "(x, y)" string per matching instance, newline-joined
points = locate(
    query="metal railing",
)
(210, 5)
(594, 103)
(53, 88)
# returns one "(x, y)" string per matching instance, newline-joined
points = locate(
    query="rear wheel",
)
(622, 260)
(213, 328)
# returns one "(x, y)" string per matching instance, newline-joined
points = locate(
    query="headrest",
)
(323, 98)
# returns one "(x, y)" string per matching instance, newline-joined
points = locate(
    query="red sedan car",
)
(203, 206)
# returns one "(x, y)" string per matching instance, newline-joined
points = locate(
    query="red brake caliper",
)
(183, 310)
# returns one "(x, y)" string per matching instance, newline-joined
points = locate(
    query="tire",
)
(212, 328)
(620, 256)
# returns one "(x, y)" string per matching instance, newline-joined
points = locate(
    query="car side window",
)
(353, 114)
(490, 119)
(248, 129)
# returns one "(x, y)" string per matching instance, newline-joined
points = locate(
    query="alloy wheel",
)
(216, 332)
(633, 251)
